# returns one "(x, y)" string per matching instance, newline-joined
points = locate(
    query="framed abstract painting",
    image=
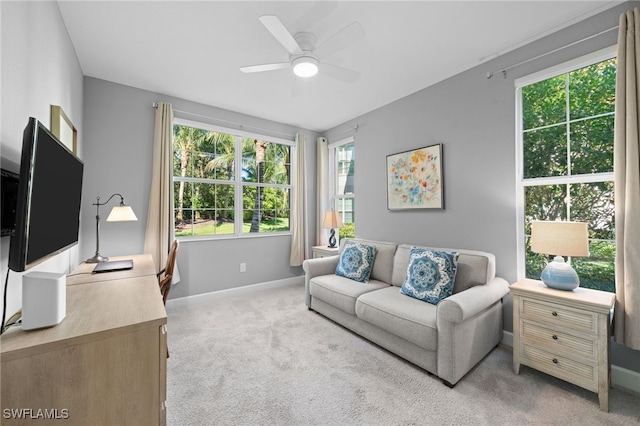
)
(414, 179)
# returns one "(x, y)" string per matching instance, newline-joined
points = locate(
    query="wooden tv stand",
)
(104, 364)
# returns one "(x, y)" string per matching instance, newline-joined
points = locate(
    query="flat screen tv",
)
(9, 190)
(48, 199)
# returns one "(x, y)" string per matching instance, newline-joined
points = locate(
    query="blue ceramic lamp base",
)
(560, 275)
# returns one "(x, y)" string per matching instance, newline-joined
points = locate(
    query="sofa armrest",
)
(464, 305)
(315, 268)
(469, 327)
(320, 266)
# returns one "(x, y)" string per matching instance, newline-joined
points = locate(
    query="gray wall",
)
(119, 124)
(474, 118)
(39, 68)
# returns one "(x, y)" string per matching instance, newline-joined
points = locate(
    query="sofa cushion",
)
(383, 264)
(474, 267)
(356, 261)
(341, 292)
(430, 275)
(403, 316)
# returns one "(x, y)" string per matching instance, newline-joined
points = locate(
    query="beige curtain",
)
(322, 182)
(298, 211)
(626, 168)
(160, 232)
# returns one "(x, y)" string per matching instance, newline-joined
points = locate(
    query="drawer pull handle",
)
(555, 361)
(554, 337)
(554, 313)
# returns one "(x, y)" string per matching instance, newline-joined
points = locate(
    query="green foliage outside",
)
(348, 230)
(206, 180)
(596, 271)
(562, 143)
(227, 228)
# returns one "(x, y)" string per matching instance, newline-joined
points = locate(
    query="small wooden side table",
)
(324, 251)
(564, 333)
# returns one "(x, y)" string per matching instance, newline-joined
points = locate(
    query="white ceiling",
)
(193, 50)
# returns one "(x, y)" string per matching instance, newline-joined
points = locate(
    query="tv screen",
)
(9, 189)
(48, 199)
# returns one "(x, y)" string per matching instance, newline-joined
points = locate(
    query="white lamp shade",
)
(560, 238)
(122, 214)
(332, 220)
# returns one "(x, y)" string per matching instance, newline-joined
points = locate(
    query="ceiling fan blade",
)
(278, 30)
(346, 36)
(265, 67)
(339, 73)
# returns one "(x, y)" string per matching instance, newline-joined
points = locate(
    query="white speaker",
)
(44, 299)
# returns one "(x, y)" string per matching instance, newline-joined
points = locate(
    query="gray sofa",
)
(447, 339)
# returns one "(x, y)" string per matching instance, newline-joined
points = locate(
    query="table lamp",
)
(120, 213)
(560, 238)
(332, 220)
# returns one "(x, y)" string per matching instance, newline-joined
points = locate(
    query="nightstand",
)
(564, 333)
(324, 251)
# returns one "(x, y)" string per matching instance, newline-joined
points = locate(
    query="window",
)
(565, 156)
(229, 183)
(341, 191)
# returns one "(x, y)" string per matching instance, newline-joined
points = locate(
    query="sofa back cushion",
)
(383, 262)
(474, 267)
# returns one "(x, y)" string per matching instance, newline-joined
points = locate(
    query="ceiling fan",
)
(305, 57)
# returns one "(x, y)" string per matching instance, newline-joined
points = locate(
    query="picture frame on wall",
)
(63, 128)
(415, 179)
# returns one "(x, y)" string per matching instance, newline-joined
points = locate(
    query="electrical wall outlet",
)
(243, 267)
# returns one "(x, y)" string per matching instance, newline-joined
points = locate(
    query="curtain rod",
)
(241, 125)
(504, 70)
(347, 131)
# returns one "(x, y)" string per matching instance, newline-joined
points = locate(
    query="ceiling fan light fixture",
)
(305, 66)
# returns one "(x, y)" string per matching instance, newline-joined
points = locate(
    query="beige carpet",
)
(264, 359)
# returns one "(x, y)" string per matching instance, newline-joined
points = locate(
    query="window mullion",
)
(591, 117)
(568, 138)
(559, 180)
(238, 192)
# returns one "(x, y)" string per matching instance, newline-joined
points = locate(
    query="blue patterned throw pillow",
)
(356, 262)
(430, 275)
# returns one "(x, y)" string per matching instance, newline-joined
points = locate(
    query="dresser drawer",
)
(550, 313)
(558, 342)
(579, 373)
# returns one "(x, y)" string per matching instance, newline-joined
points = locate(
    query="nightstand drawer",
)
(558, 342)
(581, 374)
(560, 315)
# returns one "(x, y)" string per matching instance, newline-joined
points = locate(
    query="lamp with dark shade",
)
(119, 213)
(332, 220)
(560, 238)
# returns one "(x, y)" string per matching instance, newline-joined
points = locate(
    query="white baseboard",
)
(223, 294)
(621, 378)
(507, 338)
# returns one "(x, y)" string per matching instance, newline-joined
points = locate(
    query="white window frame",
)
(237, 181)
(333, 174)
(521, 183)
